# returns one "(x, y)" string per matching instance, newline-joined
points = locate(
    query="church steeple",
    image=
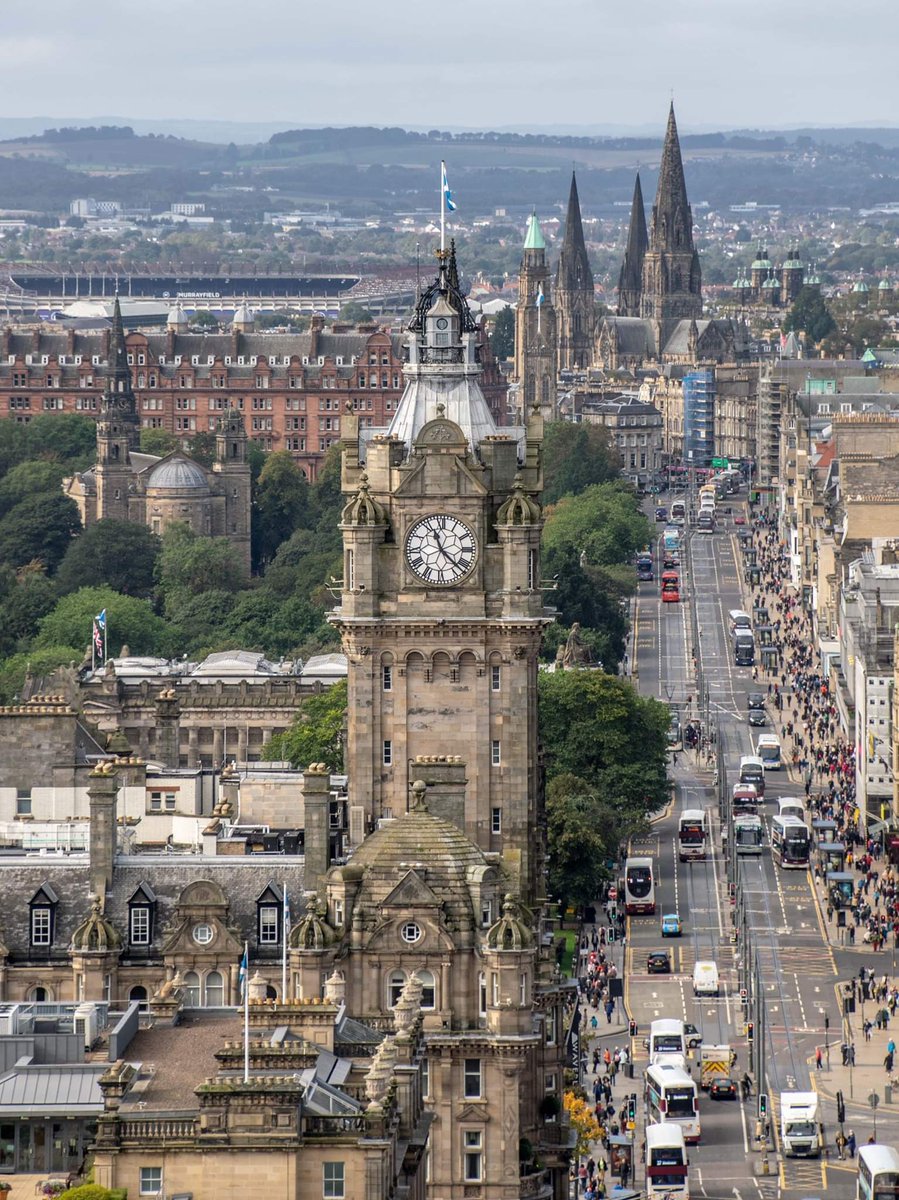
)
(535, 328)
(630, 281)
(672, 279)
(118, 404)
(574, 290)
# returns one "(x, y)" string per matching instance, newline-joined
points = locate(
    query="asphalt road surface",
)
(797, 967)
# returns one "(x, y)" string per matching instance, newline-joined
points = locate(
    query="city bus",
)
(644, 566)
(671, 538)
(744, 798)
(692, 834)
(749, 834)
(790, 842)
(672, 1096)
(678, 512)
(666, 1162)
(767, 748)
(667, 1042)
(639, 886)
(752, 770)
(670, 587)
(878, 1173)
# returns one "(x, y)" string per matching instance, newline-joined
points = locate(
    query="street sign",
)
(873, 1099)
(720, 462)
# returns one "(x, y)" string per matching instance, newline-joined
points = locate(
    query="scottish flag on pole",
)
(447, 194)
(244, 969)
(100, 618)
(540, 296)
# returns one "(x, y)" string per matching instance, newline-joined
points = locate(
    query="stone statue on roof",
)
(576, 652)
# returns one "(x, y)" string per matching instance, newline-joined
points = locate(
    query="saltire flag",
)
(540, 296)
(447, 194)
(244, 969)
(286, 913)
(98, 640)
(100, 618)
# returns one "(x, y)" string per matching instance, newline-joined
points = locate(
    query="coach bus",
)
(790, 842)
(639, 886)
(666, 1162)
(767, 748)
(692, 834)
(749, 834)
(672, 1096)
(878, 1173)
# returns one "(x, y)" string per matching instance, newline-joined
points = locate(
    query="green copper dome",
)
(534, 239)
(884, 286)
(762, 262)
(793, 262)
(860, 286)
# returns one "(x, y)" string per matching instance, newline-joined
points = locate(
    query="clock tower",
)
(441, 612)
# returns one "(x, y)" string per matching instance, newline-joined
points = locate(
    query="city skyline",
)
(351, 64)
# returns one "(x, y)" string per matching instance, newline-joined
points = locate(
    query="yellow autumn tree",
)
(583, 1121)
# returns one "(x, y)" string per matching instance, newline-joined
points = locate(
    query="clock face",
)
(442, 323)
(440, 549)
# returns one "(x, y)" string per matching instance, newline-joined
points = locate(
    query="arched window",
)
(140, 995)
(396, 981)
(192, 990)
(39, 995)
(427, 991)
(215, 990)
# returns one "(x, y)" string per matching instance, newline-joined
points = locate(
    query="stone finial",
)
(105, 767)
(419, 789)
(335, 988)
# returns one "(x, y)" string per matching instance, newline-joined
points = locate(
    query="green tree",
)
(316, 734)
(67, 437)
(26, 596)
(93, 1191)
(38, 528)
(201, 448)
(502, 333)
(29, 478)
(598, 728)
(157, 441)
(129, 621)
(355, 313)
(203, 319)
(810, 315)
(193, 564)
(603, 522)
(120, 554)
(577, 829)
(281, 503)
(576, 457)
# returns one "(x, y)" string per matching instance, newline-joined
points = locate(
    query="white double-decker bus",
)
(666, 1162)
(672, 1096)
(692, 834)
(639, 886)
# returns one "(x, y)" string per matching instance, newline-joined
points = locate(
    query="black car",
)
(692, 1035)
(757, 717)
(756, 700)
(722, 1088)
(658, 962)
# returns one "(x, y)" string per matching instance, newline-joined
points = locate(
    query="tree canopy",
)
(130, 621)
(316, 734)
(40, 527)
(810, 315)
(502, 333)
(576, 456)
(119, 554)
(194, 564)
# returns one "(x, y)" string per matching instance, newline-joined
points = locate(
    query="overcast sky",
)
(469, 63)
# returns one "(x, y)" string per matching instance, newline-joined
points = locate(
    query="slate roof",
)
(51, 1088)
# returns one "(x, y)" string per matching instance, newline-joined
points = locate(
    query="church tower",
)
(232, 471)
(574, 292)
(118, 428)
(672, 280)
(535, 327)
(630, 281)
(441, 611)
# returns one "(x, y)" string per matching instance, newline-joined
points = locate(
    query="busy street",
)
(804, 958)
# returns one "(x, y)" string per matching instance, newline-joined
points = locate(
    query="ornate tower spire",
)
(630, 281)
(535, 328)
(672, 280)
(574, 291)
(118, 402)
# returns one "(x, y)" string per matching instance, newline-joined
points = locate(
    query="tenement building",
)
(289, 388)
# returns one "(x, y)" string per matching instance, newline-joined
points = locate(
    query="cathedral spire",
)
(118, 398)
(630, 281)
(574, 291)
(672, 222)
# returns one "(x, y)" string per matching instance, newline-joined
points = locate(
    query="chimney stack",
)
(102, 791)
(317, 824)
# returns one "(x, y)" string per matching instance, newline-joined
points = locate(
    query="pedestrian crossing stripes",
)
(816, 960)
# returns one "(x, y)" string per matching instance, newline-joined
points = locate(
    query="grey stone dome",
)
(177, 474)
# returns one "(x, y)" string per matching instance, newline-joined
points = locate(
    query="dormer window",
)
(269, 916)
(141, 914)
(43, 916)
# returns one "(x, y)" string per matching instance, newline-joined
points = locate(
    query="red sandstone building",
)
(290, 387)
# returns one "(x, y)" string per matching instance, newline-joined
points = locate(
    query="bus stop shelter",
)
(831, 857)
(824, 831)
(840, 888)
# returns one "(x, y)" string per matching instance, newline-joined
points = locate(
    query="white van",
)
(705, 979)
(737, 619)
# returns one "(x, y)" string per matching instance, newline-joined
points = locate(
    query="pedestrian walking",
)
(851, 1144)
(819, 1059)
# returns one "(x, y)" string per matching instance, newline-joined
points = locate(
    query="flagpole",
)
(442, 206)
(93, 646)
(246, 1015)
(284, 933)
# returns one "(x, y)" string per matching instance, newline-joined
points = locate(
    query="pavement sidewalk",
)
(859, 1081)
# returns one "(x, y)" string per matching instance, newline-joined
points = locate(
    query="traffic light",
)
(632, 1106)
(841, 1108)
(763, 1106)
(632, 1028)
(750, 1031)
(744, 996)
(612, 935)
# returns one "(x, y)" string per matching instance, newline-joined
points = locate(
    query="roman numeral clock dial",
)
(440, 549)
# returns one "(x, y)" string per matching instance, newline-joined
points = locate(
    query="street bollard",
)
(888, 1093)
